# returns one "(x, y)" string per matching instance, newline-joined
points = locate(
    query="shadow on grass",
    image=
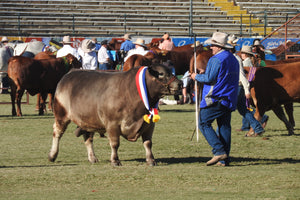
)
(38, 166)
(27, 116)
(236, 161)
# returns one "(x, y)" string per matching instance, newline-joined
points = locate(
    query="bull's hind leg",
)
(280, 114)
(114, 141)
(19, 95)
(289, 109)
(13, 91)
(59, 128)
(88, 141)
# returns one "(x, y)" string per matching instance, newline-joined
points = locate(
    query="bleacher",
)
(115, 17)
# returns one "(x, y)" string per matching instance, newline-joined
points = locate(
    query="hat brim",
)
(212, 42)
(140, 44)
(247, 52)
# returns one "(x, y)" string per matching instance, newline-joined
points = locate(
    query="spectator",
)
(166, 43)
(103, 57)
(260, 53)
(67, 48)
(6, 54)
(140, 48)
(127, 45)
(97, 45)
(88, 55)
(219, 97)
(4, 41)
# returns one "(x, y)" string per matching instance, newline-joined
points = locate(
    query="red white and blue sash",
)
(142, 90)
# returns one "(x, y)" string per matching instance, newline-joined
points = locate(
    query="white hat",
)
(141, 42)
(127, 37)
(247, 49)
(232, 40)
(66, 40)
(219, 39)
(4, 39)
(197, 44)
(87, 45)
(256, 43)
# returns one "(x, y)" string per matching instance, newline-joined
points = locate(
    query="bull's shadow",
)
(236, 161)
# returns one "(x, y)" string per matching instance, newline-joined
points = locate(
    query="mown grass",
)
(262, 168)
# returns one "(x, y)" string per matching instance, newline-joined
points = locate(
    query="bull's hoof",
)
(151, 163)
(116, 163)
(51, 159)
(93, 160)
(291, 133)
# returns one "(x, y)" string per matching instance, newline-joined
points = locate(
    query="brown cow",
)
(276, 85)
(36, 76)
(114, 106)
(41, 56)
(277, 62)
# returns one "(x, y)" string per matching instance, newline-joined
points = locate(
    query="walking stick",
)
(196, 95)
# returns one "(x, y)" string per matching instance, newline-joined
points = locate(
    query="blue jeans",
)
(220, 143)
(104, 66)
(247, 114)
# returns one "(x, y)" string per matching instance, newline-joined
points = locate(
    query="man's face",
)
(215, 49)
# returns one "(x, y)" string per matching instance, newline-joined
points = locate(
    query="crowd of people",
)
(225, 85)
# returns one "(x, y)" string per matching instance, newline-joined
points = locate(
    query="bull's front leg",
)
(280, 114)
(114, 141)
(58, 131)
(147, 142)
(88, 141)
(42, 105)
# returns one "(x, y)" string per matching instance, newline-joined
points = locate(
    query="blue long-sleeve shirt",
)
(220, 80)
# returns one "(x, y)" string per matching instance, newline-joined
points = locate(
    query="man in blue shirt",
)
(219, 97)
(127, 45)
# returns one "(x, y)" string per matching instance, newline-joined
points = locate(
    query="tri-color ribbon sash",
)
(142, 89)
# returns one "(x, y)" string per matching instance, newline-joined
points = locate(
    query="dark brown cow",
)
(274, 86)
(36, 76)
(155, 55)
(114, 106)
(41, 56)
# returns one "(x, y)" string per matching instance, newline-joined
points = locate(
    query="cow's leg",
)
(59, 128)
(88, 141)
(147, 141)
(19, 95)
(50, 96)
(289, 109)
(280, 114)
(38, 101)
(114, 141)
(13, 91)
(42, 105)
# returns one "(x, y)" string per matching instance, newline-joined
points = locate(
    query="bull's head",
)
(73, 62)
(165, 82)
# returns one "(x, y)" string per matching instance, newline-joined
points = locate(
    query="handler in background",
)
(219, 97)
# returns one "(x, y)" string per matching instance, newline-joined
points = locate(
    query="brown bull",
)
(36, 76)
(41, 56)
(274, 86)
(114, 106)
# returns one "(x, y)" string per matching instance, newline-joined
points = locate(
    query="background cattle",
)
(110, 102)
(274, 86)
(36, 76)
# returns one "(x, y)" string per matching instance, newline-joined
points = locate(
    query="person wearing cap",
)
(67, 48)
(219, 97)
(88, 55)
(7, 53)
(166, 43)
(140, 48)
(247, 56)
(103, 57)
(260, 53)
(127, 45)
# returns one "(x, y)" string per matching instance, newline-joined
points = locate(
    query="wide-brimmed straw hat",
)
(232, 40)
(127, 36)
(140, 42)
(4, 39)
(66, 40)
(87, 45)
(197, 44)
(247, 49)
(219, 39)
(256, 43)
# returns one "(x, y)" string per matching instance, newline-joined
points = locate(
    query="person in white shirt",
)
(140, 48)
(88, 55)
(103, 57)
(67, 48)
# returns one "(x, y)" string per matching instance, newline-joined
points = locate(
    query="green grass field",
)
(265, 167)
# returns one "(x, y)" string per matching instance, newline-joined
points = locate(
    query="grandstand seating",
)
(144, 18)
